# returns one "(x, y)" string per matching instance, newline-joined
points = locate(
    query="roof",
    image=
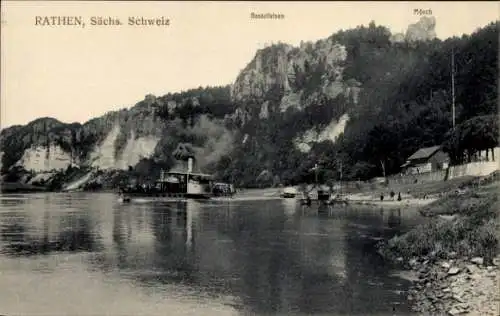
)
(423, 153)
(190, 173)
(222, 184)
(406, 164)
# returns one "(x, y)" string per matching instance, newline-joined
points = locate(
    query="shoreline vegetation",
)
(453, 258)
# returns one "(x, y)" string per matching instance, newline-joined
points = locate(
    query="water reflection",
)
(261, 257)
(25, 232)
(394, 218)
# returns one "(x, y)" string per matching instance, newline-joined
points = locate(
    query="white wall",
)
(482, 168)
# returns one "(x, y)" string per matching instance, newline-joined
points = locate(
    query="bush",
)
(473, 232)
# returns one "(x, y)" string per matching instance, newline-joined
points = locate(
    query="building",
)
(427, 159)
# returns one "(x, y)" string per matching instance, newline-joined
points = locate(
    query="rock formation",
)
(423, 30)
(281, 72)
(116, 140)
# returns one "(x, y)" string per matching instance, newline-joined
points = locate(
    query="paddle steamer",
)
(178, 186)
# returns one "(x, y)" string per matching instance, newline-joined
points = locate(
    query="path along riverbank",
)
(453, 258)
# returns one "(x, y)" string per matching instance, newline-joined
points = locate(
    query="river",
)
(88, 254)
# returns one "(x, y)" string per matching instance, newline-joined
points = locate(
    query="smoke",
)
(184, 151)
(180, 166)
(181, 155)
(219, 141)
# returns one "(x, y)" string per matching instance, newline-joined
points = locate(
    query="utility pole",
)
(453, 86)
(316, 174)
(47, 152)
(341, 177)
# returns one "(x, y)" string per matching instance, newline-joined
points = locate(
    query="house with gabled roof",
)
(425, 160)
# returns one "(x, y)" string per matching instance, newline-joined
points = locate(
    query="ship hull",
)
(162, 197)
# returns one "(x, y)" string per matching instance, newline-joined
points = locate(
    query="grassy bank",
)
(454, 257)
(463, 225)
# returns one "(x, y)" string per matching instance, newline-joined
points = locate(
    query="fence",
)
(477, 169)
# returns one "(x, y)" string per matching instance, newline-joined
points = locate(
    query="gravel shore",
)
(456, 287)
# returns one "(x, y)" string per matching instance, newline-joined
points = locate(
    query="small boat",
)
(337, 200)
(322, 197)
(289, 193)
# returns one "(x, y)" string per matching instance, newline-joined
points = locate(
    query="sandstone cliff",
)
(150, 130)
(288, 75)
(282, 78)
(423, 30)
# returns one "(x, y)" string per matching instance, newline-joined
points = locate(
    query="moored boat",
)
(289, 193)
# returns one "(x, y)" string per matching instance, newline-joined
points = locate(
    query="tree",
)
(473, 135)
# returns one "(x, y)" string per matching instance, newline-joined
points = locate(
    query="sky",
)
(75, 73)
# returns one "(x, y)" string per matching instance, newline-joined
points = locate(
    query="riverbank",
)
(368, 198)
(411, 202)
(454, 257)
(17, 187)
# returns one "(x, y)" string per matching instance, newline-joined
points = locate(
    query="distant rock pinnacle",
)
(423, 30)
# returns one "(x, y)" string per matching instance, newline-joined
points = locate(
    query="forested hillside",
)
(357, 102)
(405, 103)
(140, 140)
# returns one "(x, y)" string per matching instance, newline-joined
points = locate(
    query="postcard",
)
(249, 158)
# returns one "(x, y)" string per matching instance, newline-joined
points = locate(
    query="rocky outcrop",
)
(282, 73)
(268, 69)
(423, 30)
(116, 140)
(333, 130)
(288, 77)
(104, 155)
(291, 100)
(45, 158)
(264, 110)
(240, 116)
(137, 149)
(283, 78)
